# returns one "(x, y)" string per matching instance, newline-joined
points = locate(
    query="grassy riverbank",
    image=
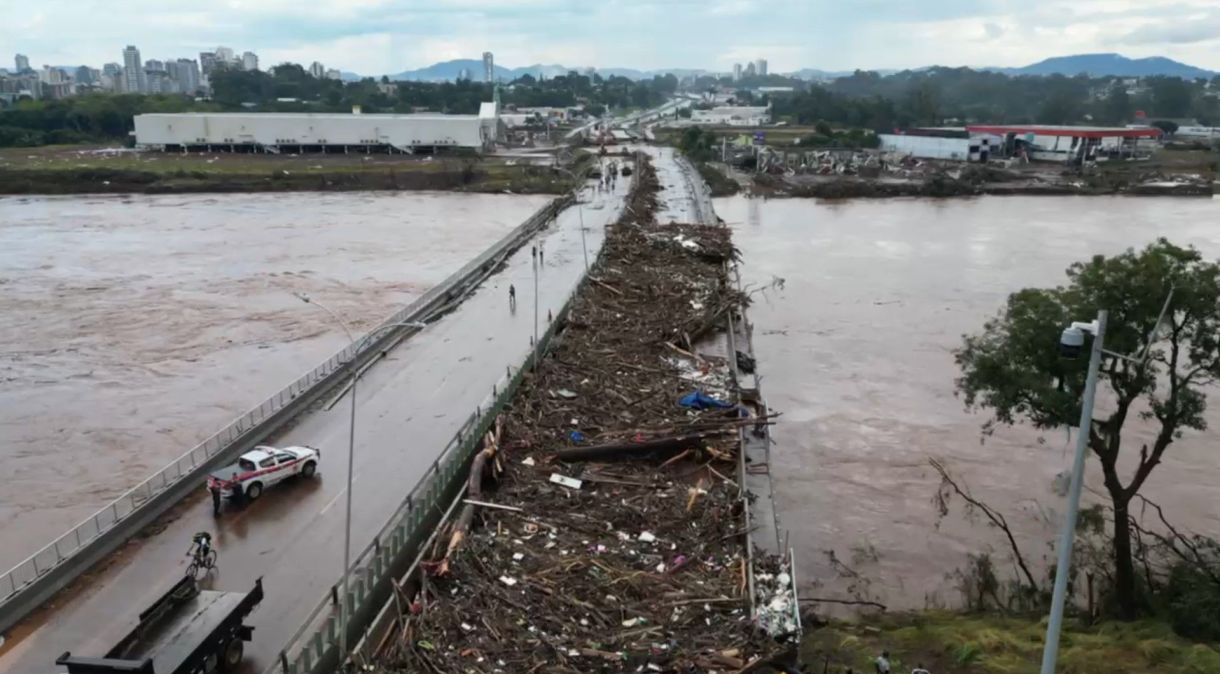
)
(947, 643)
(77, 169)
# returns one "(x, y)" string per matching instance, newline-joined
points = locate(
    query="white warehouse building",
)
(275, 131)
(733, 116)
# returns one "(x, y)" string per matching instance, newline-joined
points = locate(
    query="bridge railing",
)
(33, 580)
(314, 648)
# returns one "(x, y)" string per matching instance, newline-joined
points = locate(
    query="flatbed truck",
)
(188, 630)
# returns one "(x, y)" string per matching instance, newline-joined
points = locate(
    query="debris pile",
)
(612, 537)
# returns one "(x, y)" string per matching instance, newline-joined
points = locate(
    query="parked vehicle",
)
(262, 467)
(186, 630)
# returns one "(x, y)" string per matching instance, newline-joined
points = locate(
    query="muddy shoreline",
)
(126, 181)
(943, 187)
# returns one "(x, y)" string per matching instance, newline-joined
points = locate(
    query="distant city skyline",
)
(384, 36)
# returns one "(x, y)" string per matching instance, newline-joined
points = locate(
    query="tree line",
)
(289, 87)
(958, 95)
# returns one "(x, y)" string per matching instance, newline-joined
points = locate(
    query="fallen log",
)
(631, 450)
(474, 492)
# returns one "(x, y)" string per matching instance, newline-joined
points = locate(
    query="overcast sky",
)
(373, 37)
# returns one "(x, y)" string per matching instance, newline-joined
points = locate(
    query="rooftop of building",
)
(1066, 130)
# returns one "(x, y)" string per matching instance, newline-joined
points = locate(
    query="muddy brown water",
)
(135, 327)
(856, 351)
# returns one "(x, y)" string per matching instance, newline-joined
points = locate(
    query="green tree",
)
(1118, 108)
(1171, 96)
(1012, 367)
(924, 102)
(1169, 126)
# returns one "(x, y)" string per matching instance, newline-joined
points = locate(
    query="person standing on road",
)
(541, 252)
(239, 496)
(214, 487)
(512, 297)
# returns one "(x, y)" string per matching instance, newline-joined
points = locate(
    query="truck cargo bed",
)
(177, 635)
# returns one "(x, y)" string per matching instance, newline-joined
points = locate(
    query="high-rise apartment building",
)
(207, 62)
(23, 63)
(317, 70)
(249, 61)
(749, 71)
(133, 71)
(184, 73)
(489, 67)
(333, 74)
(225, 55)
(760, 67)
(112, 77)
(736, 72)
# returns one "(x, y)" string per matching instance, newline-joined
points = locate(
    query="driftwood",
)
(995, 517)
(846, 602)
(631, 450)
(474, 491)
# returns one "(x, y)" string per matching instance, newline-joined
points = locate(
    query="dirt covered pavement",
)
(604, 529)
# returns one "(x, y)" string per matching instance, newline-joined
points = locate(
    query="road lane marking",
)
(332, 502)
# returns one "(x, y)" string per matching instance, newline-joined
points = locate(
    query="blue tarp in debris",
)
(701, 401)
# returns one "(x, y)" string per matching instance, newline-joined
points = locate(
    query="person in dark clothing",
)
(215, 489)
(512, 297)
(239, 496)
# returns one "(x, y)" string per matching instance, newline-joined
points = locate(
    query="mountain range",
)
(1096, 65)
(1116, 65)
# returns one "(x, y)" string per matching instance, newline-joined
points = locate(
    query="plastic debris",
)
(564, 480)
(699, 400)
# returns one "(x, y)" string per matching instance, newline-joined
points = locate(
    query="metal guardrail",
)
(314, 647)
(258, 422)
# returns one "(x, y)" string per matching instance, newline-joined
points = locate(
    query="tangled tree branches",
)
(635, 565)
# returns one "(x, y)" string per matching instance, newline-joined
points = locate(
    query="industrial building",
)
(983, 142)
(732, 116)
(318, 132)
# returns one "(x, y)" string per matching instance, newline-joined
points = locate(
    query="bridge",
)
(422, 394)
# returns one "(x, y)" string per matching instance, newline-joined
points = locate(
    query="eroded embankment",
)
(606, 532)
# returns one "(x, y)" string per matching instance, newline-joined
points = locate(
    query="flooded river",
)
(856, 351)
(134, 327)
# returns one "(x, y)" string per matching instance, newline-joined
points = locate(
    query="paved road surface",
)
(411, 403)
(683, 198)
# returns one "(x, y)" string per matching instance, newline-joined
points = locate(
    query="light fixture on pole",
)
(344, 612)
(1071, 342)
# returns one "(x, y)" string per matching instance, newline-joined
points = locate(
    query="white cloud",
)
(376, 36)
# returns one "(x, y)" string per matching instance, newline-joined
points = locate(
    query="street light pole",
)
(1054, 625)
(583, 246)
(536, 265)
(581, 212)
(344, 612)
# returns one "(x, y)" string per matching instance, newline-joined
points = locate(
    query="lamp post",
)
(580, 211)
(351, 453)
(1070, 344)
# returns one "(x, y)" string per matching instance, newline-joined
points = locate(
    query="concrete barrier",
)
(36, 579)
(395, 551)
